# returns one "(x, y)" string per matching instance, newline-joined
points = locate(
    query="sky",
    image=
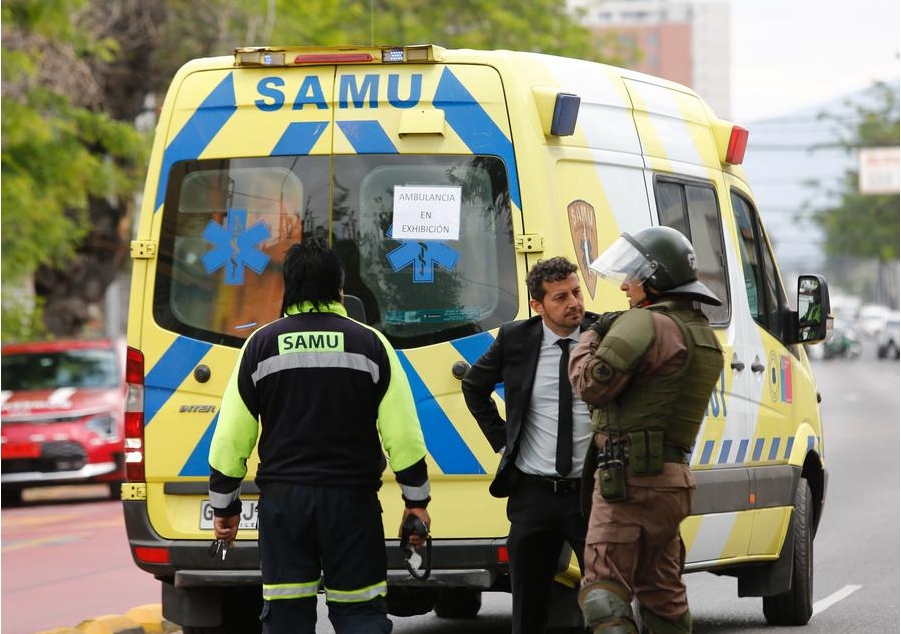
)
(791, 54)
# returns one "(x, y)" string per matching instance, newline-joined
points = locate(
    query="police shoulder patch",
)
(602, 372)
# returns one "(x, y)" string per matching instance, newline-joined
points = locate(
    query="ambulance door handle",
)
(736, 364)
(757, 367)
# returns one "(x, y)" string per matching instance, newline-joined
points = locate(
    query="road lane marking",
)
(835, 597)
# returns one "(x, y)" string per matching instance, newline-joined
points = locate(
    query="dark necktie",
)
(564, 413)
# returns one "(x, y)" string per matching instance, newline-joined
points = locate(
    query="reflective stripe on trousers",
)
(272, 592)
(357, 596)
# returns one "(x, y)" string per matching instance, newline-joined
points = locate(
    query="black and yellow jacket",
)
(329, 394)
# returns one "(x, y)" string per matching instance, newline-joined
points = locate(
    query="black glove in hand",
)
(604, 321)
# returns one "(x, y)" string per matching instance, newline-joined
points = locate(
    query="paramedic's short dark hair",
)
(312, 273)
(550, 270)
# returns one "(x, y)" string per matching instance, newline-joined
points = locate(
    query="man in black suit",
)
(539, 476)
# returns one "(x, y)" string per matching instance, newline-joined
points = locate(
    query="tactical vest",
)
(674, 403)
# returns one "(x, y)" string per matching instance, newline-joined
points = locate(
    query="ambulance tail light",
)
(738, 143)
(134, 415)
(731, 142)
(152, 555)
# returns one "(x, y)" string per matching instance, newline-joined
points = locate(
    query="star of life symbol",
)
(235, 246)
(422, 255)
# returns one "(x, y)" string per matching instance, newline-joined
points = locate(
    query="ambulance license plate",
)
(248, 515)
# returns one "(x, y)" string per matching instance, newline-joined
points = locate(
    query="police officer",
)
(328, 393)
(647, 375)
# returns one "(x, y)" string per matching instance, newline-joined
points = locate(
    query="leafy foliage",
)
(55, 150)
(866, 225)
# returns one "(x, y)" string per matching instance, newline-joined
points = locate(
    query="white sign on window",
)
(426, 212)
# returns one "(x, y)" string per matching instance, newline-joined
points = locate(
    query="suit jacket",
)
(512, 359)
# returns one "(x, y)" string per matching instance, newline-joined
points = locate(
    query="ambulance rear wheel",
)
(458, 603)
(410, 601)
(795, 606)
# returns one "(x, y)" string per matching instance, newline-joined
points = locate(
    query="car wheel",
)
(795, 606)
(458, 603)
(115, 490)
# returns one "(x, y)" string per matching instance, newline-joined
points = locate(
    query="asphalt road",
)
(65, 558)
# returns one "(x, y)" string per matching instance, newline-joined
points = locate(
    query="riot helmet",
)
(661, 258)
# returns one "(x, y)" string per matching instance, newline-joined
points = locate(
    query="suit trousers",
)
(541, 521)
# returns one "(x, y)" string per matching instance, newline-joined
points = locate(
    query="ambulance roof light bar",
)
(308, 56)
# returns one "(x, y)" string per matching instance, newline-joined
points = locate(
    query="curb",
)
(143, 619)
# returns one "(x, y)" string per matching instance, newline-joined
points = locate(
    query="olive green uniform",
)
(653, 371)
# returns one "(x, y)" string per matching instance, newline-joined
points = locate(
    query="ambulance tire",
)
(410, 601)
(795, 606)
(240, 614)
(458, 603)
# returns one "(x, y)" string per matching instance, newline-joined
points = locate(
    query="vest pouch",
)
(646, 452)
(612, 480)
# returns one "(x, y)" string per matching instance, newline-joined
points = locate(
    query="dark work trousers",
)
(540, 522)
(335, 532)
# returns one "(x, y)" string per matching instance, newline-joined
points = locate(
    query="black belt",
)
(557, 485)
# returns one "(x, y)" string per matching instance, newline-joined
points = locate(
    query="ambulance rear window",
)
(426, 241)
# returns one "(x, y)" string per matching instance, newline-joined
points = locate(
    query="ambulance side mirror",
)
(812, 321)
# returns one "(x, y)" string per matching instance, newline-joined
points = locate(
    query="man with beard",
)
(539, 475)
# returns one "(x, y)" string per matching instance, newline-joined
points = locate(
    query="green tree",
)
(70, 163)
(863, 225)
(862, 231)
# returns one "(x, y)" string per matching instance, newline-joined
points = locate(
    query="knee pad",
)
(653, 624)
(607, 609)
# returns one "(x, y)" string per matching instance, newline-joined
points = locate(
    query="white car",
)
(871, 319)
(888, 338)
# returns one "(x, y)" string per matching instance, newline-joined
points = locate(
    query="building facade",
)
(686, 42)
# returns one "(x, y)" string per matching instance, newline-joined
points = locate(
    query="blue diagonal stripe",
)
(472, 124)
(299, 138)
(758, 449)
(169, 372)
(367, 137)
(472, 348)
(742, 450)
(444, 443)
(724, 452)
(706, 452)
(198, 463)
(198, 131)
(788, 447)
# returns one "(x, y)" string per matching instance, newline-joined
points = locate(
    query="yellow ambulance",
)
(440, 176)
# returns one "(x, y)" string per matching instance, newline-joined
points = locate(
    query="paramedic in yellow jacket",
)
(647, 375)
(329, 393)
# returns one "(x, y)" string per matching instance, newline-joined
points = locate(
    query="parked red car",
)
(62, 416)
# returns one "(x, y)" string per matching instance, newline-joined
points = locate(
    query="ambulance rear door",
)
(237, 172)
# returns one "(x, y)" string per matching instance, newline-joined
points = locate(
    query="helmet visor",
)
(623, 262)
